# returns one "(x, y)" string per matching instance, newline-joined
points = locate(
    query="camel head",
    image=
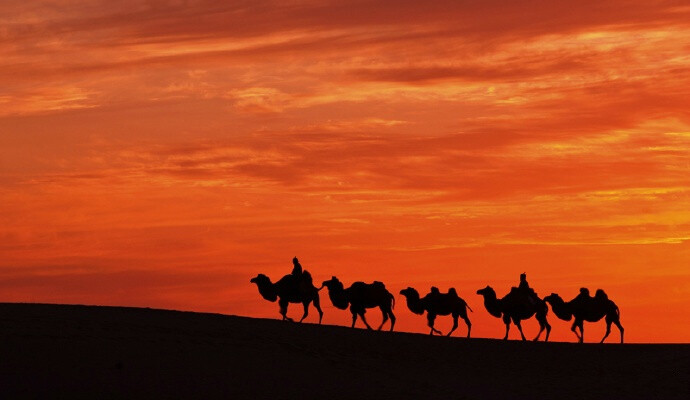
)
(413, 301)
(487, 291)
(410, 292)
(553, 298)
(333, 284)
(491, 303)
(337, 293)
(259, 279)
(559, 307)
(265, 286)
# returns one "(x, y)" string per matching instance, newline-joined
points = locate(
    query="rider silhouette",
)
(299, 276)
(526, 290)
(297, 267)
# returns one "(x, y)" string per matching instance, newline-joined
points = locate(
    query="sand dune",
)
(60, 351)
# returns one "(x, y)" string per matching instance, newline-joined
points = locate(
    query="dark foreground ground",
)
(56, 351)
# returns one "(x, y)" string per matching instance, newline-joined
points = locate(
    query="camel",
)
(516, 306)
(360, 296)
(586, 308)
(290, 289)
(438, 304)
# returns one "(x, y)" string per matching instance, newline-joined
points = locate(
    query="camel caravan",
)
(521, 303)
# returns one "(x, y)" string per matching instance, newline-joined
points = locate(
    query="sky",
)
(162, 153)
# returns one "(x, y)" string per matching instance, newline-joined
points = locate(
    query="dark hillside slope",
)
(58, 351)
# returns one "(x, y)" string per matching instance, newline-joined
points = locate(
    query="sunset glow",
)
(160, 154)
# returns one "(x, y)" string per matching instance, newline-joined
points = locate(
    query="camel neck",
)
(267, 290)
(414, 303)
(562, 309)
(493, 305)
(338, 297)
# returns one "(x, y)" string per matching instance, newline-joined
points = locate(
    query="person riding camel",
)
(523, 282)
(297, 267)
(527, 290)
(301, 276)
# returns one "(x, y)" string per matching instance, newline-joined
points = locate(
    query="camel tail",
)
(468, 306)
(392, 300)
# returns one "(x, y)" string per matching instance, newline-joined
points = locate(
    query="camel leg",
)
(306, 310)
(283, 310)
(608, 330)
(455, 324)
(506, 320)
(317, 305)
(574, 329)
(354, 318)
(620, 328)
(431, 317)
(361, 315)
(581, 325)
(612, 319)
(385, 318)
(543, 324)
(517, 323)
(541, 329)
(469, 325)
(392, 316)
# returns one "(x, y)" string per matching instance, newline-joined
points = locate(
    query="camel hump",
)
(306, 277)
(453, 292)
(379, 284)
(601, 295)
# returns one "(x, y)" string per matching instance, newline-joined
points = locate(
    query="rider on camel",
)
(300, 276)
(527, 290)
(297, 267)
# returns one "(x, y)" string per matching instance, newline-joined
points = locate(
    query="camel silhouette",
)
(360, 296)
(516, 306)
(438, 304)
(290, 289)
(586, 308)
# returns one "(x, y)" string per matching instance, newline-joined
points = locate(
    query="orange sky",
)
(161, 154)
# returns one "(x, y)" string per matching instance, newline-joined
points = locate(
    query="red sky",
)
(161, 154)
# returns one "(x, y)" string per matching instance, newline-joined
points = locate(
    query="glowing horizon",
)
(161, 154)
